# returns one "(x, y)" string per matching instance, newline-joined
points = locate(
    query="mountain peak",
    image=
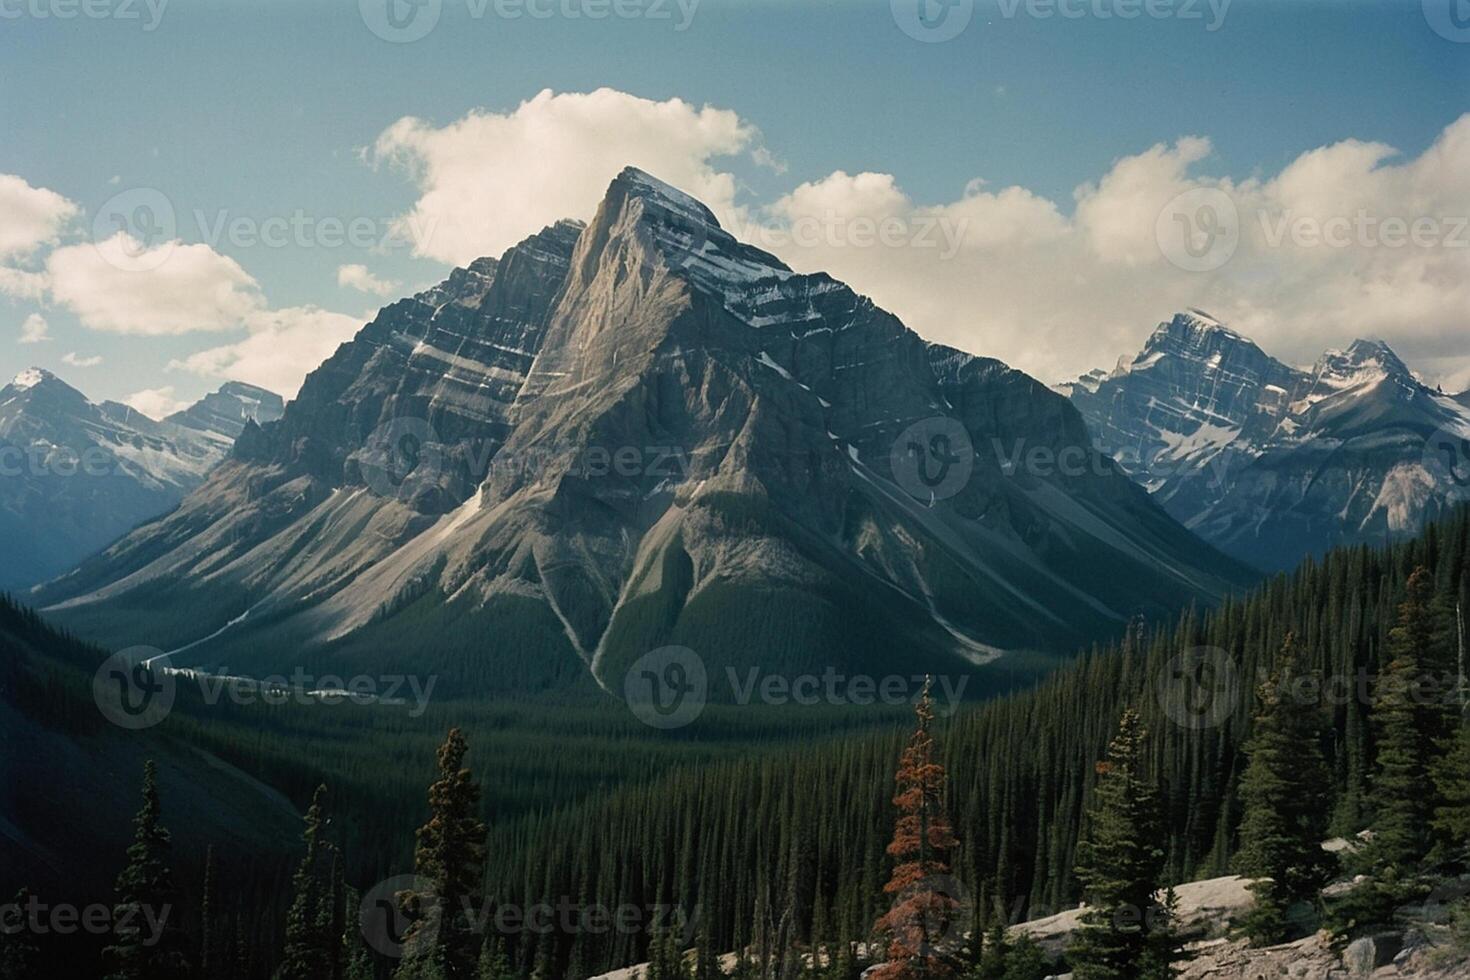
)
(1193, 334)
(641, 184)
(1362, 361)
(31, 377)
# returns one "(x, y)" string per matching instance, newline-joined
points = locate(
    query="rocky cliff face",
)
(1272, 463)
(75, 475)
(642, 433)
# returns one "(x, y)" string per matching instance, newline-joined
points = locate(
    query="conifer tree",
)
(918, 926)
(1408, 723)
(145, 897)
(356, 958)
(450, 857)
(311, 941)
(1126, 932)
(1452, 778)
(494, 964)
(1284, 793)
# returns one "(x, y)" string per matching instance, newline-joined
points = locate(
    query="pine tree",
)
(1408, 727)
(1126, 931)
(145, 896)
(311, 943)
(1452, 778)
(356, 958)
(494, 964)
(450, 857)
(918, 927)
(1284, 792)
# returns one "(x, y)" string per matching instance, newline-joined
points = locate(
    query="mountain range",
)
(635, 433)
(76, 474)
(1269, 462)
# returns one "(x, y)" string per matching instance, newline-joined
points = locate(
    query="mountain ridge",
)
(1271, 462)
(78, 474)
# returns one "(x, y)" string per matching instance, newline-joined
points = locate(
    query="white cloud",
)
(490, 179)
(156, 403)
(358, 277)
(282, 348)
(34, 216)
(22, 284)
(34, 330)
(1057, 294)
(77, 360)
(120, 286)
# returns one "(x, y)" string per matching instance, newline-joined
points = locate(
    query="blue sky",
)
(261, 109)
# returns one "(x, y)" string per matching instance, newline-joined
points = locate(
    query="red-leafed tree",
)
(920, 930)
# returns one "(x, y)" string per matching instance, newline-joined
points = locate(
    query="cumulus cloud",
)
(34, 216)
(156, 403)
(121, 286)
(1058, 293)
(34, 330)
(283, 346)
(21, 283)
(358, 277)
(77, 360)
(490, 179)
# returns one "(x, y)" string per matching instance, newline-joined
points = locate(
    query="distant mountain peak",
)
(226, 410)
(1192, 327)
(31, 377)
(1268, 461)
(1362, 362)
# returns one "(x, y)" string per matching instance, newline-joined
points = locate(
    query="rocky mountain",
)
(76, 474)
(225, 412)
(1271, 463)
(642, 433)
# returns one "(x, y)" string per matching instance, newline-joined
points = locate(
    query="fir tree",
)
(450, 857)
(1284, 792)
(1408, 723)
(146, 946)
(493, 964)
(311, 941)
(1126, 932)
(917, 927)
(1452, 778)
(356, 958)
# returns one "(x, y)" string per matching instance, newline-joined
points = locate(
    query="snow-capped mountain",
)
(638, 433)
(76, 474)
(1272, 463)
